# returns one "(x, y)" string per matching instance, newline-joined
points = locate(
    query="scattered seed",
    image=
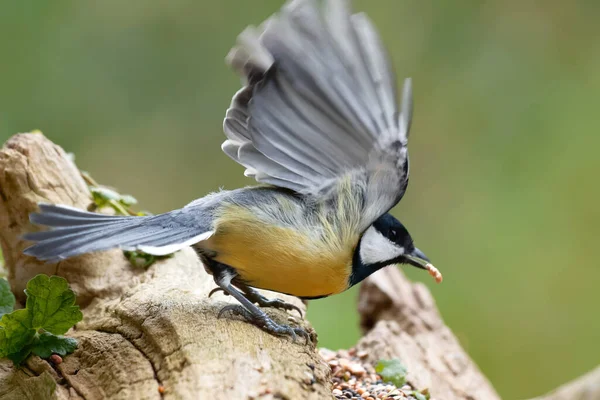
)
(354, 378)
(327, 354)
(56, 359)
(344, 354)
(357, 370)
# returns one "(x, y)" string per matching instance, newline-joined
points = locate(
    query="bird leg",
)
(257, 298)
(223, 275)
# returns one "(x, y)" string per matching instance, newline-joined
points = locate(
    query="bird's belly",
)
(280, 259)
(280, 272)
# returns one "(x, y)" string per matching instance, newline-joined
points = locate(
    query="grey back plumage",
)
(319, 103)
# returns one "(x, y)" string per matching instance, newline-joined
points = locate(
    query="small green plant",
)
(104, 197)
(50, 311)
(392, 371)
(395, 372)
(7, 299)
(141, 259)
(422, 395)
(120, 203)
(2, 270)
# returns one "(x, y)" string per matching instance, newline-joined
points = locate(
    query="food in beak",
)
(433, 271)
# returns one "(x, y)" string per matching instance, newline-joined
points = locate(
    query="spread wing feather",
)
(319, 102)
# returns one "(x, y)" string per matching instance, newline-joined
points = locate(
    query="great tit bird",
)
(317, 124)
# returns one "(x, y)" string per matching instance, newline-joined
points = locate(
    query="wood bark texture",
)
(154, 333)
(586, 387)
(400, 320)
(147, 333)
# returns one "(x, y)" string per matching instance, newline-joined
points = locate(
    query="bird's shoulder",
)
(333, 215)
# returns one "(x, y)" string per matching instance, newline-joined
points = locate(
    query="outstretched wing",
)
(319, 104)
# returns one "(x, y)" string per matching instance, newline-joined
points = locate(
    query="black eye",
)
(393, 235)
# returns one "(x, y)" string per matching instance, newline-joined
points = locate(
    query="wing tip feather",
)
(406, 108)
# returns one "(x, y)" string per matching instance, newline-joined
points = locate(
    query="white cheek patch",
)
(376, 248)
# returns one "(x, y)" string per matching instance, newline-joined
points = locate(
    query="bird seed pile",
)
(355, 378)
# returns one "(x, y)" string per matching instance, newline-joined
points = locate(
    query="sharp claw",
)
(217, 289)
(222, 311)
(304, 334)
(234, 308)
(296, 308)
(293, 334)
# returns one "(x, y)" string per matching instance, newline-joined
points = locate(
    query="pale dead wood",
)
(142, 328)
(149, 328)
(586, 387)
(401, 321)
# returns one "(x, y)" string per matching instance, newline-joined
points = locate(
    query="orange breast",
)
(279, 258)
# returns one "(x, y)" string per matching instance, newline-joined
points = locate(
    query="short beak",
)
(418, 259)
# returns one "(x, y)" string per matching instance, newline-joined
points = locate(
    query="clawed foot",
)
(261, 300)
(264, 322)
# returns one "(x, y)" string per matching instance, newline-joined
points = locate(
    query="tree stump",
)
(147, 333)
(154, 333)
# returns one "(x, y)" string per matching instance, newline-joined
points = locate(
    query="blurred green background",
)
(504, 149)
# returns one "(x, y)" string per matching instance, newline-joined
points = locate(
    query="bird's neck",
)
(360, 270)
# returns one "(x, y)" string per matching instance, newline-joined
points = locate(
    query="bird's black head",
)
(386, 242)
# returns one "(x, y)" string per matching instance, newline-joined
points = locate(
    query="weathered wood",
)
(586, 387)
(400, 320)
(150, 334)
(144, 331)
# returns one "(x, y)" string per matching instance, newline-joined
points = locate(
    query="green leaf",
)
(15, 332)
(2, 270)
(419, 395)
(46, 344)
(139, 259)
(102, 195)
(127, 200)
(50, 307)
(392, 371)
(143, 260)
(7, 299)
(51, 304)
(20, 356)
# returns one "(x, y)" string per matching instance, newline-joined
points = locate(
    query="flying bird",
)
(318, 125)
